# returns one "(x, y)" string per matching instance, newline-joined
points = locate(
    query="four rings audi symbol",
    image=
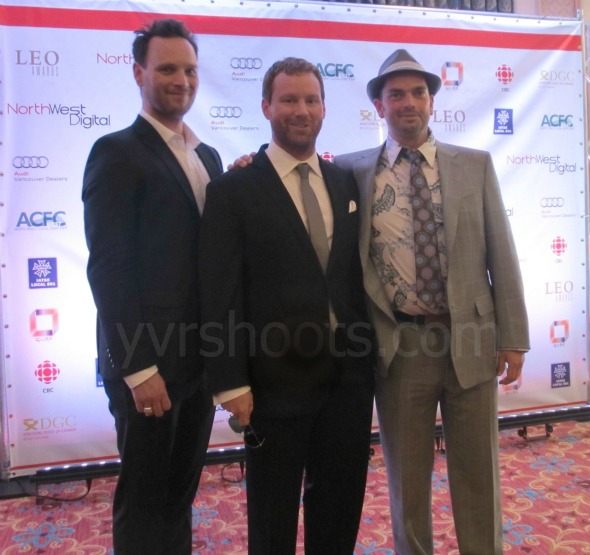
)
(225, 111)
(552, 202)
(246, 63)
(28, 162)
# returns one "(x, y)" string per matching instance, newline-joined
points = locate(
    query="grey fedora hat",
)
(401, 60)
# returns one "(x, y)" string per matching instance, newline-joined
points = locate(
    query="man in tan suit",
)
(449, 319)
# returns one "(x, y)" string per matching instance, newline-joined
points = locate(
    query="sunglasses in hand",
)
(252, 439)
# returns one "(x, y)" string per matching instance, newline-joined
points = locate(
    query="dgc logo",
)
(452, 74)
(30, 162)
(245, 63)
(41, 424)
(41, 219)
(225, 111)
(47, 372)
(558, 120)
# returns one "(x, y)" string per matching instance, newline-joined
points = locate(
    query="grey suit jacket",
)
(484, 286)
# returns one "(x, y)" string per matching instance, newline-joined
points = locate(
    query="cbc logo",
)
(245, 63)
(225, 112)
(552, 202)
(30, 162)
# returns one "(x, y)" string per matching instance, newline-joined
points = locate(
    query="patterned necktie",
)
(317, 227)
(429, 281)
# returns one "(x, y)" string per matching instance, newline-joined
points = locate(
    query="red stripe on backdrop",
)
(216, 25)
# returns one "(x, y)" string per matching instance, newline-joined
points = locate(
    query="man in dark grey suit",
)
(290, 349)
(442, 344)
(143, 189)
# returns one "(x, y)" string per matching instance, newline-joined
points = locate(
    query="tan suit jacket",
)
(484, 286)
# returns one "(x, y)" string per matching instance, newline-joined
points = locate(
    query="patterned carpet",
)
(546, 491)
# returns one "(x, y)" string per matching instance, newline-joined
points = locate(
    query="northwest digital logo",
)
(503, 121)
(553, 164)
(75, 114)
(336, 71)
(114, 59)
(452, 75)
(41, 63)
(42, 273)
(44, 323)
(37, 220)
(560, 374)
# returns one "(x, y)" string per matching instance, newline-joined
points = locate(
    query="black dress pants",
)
(161, 464)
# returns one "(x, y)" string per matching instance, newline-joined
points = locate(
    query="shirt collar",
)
(428, 149)
(284, 163)
(190, 139)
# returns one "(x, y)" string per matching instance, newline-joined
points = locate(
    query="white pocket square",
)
(351, 206)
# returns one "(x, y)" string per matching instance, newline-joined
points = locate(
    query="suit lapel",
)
(450, 173)
(364, 173)
(154, 142)
(210, 160)
(338, 201)
(270, 183)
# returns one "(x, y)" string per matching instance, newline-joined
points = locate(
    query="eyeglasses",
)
(252, 439)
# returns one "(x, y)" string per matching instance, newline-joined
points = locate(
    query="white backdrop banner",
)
(513, 86)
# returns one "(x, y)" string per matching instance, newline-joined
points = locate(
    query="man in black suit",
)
(143, 190)
(286, 340)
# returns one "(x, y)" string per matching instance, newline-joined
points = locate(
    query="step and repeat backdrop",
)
(511, 85)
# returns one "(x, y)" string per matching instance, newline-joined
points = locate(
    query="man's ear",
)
(265, 108)
(379, 106)
(138, 74)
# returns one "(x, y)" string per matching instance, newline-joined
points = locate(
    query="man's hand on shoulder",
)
(242, 161)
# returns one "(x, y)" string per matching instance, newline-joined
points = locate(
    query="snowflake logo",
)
(503, 117)
(42, 268)
(560, 371)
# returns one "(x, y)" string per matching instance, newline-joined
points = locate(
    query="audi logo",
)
(246, 63)
(552, 202)
(225, 112)
(29, 162)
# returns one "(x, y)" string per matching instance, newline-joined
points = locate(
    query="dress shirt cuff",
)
(224, 396)
(133, 380)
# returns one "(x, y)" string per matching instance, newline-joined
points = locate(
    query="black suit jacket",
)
(265, 299)
(142, 228)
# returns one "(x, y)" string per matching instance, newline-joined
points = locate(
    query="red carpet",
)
(546, 491)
